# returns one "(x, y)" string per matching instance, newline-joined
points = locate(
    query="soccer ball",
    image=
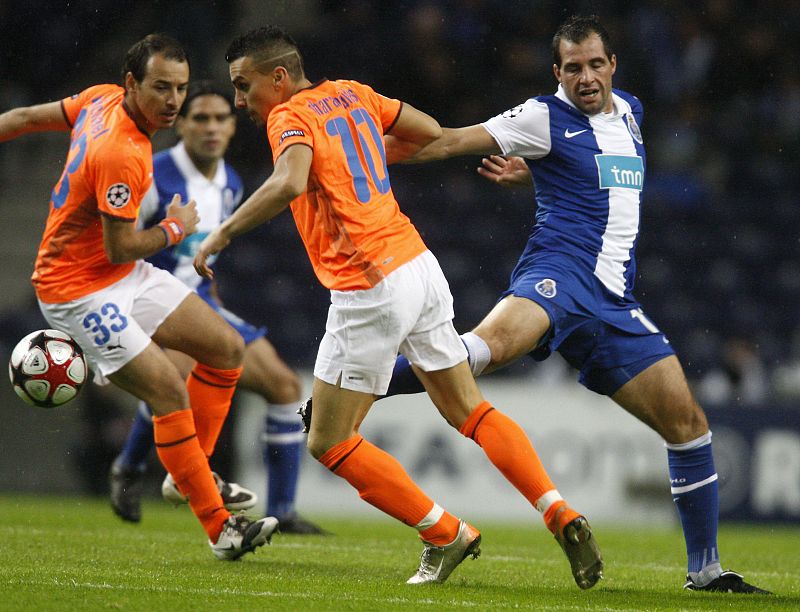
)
(47, 368)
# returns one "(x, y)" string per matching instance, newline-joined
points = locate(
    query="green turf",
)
(73, 554)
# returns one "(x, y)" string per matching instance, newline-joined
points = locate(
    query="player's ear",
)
(557, 72)
(130, 81)
(279, 74)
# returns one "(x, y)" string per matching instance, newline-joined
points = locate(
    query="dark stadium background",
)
(718, 252)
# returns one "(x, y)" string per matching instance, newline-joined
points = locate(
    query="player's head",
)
(155, 74)
(206, 123)
(584, 63)
(266, 68)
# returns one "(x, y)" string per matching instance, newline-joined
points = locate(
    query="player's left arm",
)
(46, 117)
(288, 180)
(412, 132)
(123, 242)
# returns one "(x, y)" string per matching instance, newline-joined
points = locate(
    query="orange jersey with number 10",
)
(348, 218)
(109, 169)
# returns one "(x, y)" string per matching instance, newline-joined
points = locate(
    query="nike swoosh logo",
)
(568, 134)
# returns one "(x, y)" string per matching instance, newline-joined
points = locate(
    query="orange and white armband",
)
(173, 230)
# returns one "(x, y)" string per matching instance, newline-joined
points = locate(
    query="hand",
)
(185, 213)
(507, 172)
(213, 244)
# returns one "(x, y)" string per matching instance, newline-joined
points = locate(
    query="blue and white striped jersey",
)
(174, 172)
(588, 174)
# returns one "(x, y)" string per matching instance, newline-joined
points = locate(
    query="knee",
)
(685, 424)
(285, 389)
(317, 446)
(231, 350)
(171, 397)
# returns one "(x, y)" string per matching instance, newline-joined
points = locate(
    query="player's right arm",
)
(470, 140)
(123, 242)
(46, 117)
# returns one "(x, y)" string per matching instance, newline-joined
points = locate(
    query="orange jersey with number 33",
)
(348, 218)
(108, 170)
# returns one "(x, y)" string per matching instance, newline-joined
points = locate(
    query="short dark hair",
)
(205, 88)
(578, 28)
(140, 53)
(269, 46)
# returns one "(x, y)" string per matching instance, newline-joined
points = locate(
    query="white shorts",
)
(115, 324)
(408, 312)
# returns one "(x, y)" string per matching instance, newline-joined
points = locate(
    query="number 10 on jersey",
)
(339, 126)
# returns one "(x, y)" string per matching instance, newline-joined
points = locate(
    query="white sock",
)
(478, 351)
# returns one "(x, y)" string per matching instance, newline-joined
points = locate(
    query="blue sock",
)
(404, 381)
(139, 441)
(695, 491)
(282, 452)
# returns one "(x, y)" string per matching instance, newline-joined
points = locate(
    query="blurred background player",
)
(388, 295)
(91, 280)
(195, 169)
(572, 288)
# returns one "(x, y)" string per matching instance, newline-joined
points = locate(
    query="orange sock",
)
(210, 393)
(382, 482)
(180, 453)
(556, 519)
(509, 449)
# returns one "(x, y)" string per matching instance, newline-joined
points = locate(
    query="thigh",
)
(337, 415)
(268, 375)
(513, 328)
(151, 377)
(453, 391)
(195, 329)
(181, 361)
(660, 397)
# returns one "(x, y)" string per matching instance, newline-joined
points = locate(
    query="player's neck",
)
(206, 167)
(138, 117)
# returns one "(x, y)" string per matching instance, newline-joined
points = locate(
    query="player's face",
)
(207, 127)
(257, 92)
(585, 74)
(157, 99)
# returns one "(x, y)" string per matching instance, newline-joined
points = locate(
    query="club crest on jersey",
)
(546, 288)
(633, 128)
(512, 112)
(290, 133)
(118, 195)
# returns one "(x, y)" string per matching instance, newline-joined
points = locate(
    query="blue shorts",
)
(246, 330)
(608, 339)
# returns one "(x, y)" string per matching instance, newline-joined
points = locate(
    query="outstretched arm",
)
(412, 131)
(470, 140)
(287, 181)
(25, 119)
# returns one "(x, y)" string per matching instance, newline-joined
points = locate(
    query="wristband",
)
(173, 230)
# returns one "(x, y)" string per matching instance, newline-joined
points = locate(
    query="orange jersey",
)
(109, 168)
(348, 217)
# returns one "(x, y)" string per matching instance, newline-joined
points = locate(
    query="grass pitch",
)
(61, 553)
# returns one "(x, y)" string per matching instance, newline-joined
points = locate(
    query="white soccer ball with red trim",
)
(47, 368)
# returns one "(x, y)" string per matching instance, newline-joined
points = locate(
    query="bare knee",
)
(170, 396)
(683, 424)
(229, 353)
(317, 445)
(284, 389)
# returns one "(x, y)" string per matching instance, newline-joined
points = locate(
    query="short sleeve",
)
(386, 109)
(73, 105)
(523, 130)
(287, 127)
(121, 182)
